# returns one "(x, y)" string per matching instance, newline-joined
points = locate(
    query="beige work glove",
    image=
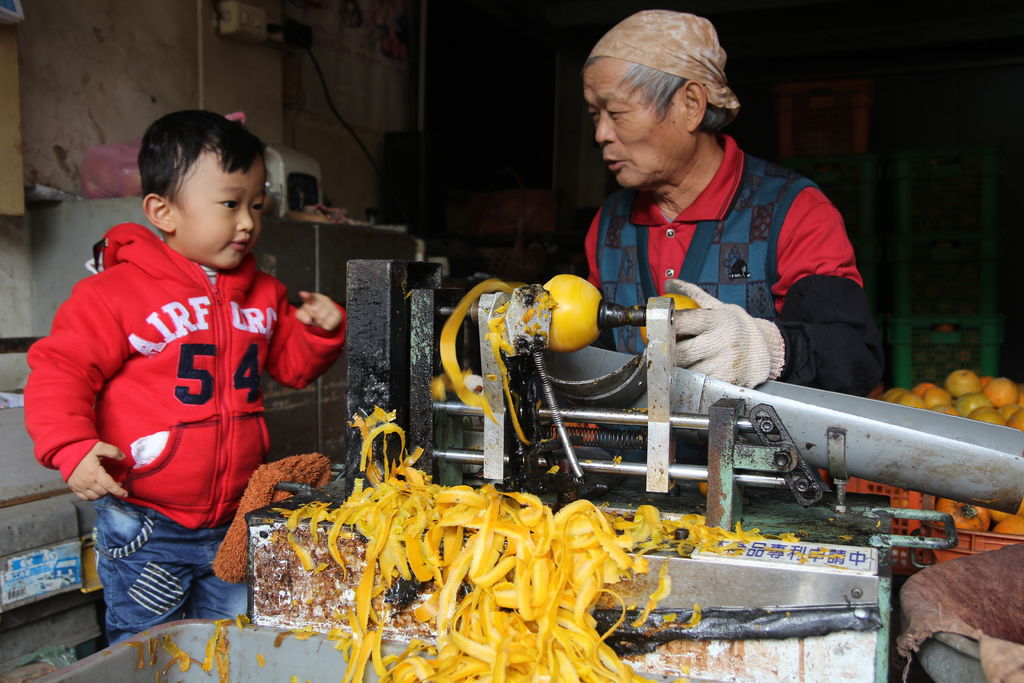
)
(724, 341)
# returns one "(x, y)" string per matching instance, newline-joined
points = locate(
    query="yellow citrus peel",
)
(449, 358)
(513, 583)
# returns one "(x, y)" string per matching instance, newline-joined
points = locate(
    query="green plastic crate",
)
(927, 348)
(949, 192)
(935, 276)
(851, 182)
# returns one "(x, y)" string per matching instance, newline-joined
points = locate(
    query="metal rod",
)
(620, 417)
(556, 417)
(633, 469)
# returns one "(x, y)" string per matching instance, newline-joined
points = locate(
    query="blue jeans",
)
(154, 570)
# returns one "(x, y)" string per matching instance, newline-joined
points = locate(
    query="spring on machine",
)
(603, 438)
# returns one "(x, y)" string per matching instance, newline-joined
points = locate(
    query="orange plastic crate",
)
(968, 542)
(823, 117)
(898, 498)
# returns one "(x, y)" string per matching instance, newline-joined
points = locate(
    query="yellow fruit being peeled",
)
(960, 382)
(679, 302)
(574, 318)
(968, 403)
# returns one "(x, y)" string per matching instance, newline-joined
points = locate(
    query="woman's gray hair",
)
(658, 88)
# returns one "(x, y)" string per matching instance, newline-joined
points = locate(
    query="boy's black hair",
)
(173, 143)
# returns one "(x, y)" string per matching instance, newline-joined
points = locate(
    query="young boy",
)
(146, 395)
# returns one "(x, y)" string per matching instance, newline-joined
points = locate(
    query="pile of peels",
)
(513, 583)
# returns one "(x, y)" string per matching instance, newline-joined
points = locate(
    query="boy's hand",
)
(318, 310)
(89, 480)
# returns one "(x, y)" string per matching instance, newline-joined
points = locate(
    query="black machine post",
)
(378, 353)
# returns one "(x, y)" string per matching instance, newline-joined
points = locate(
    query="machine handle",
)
(919, 553)
(901, 541)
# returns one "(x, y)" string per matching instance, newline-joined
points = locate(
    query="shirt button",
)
(670, 273)
(670, 233)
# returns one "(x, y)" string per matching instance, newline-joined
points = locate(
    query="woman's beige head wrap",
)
(678, 43)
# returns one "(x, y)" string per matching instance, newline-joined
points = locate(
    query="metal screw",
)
(857, 593)
(802, 485)
(781, 459)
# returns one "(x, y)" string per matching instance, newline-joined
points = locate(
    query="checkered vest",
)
(731, 259)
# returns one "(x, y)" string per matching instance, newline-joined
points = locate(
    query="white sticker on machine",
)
(40, 572)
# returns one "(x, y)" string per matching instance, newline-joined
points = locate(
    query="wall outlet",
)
(242, 21)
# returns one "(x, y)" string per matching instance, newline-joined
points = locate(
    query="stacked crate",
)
(851, 182)
(943, 254)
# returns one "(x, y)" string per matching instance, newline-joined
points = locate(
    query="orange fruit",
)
(1001, 391)
(893, 394)
(934, 396)
(998, 516)
(1016, 420)
(1014, 524)
(909, 399)
(960, 382)
(987, 415)
(876, 391)
(965, 516)
(680, 302)
(985, 379)
(947, 409)
(922, 387)
(968, 403)
(1008, 410)
(703, 488)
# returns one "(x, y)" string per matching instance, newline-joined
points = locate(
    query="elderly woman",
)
(761, 249)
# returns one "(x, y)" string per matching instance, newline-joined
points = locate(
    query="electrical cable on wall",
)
(300, 36)
(355, 136)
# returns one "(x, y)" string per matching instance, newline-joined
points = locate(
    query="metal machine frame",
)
(769, 438)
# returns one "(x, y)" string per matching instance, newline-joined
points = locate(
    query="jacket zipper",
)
(222, 391)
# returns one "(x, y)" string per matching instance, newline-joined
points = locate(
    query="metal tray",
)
(284, 657)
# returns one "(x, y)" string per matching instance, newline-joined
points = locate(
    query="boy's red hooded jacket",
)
(149, 351)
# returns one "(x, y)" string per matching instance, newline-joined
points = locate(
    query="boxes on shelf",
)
(851, 182)
(823, 117)
(948, 192)
(898, 498)
(940, 276)
(923, 348)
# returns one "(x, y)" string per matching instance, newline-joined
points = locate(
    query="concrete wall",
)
(15, 297)
(99, 71)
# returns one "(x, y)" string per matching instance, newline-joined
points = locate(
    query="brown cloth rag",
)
(232, 561)
(981, 597)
